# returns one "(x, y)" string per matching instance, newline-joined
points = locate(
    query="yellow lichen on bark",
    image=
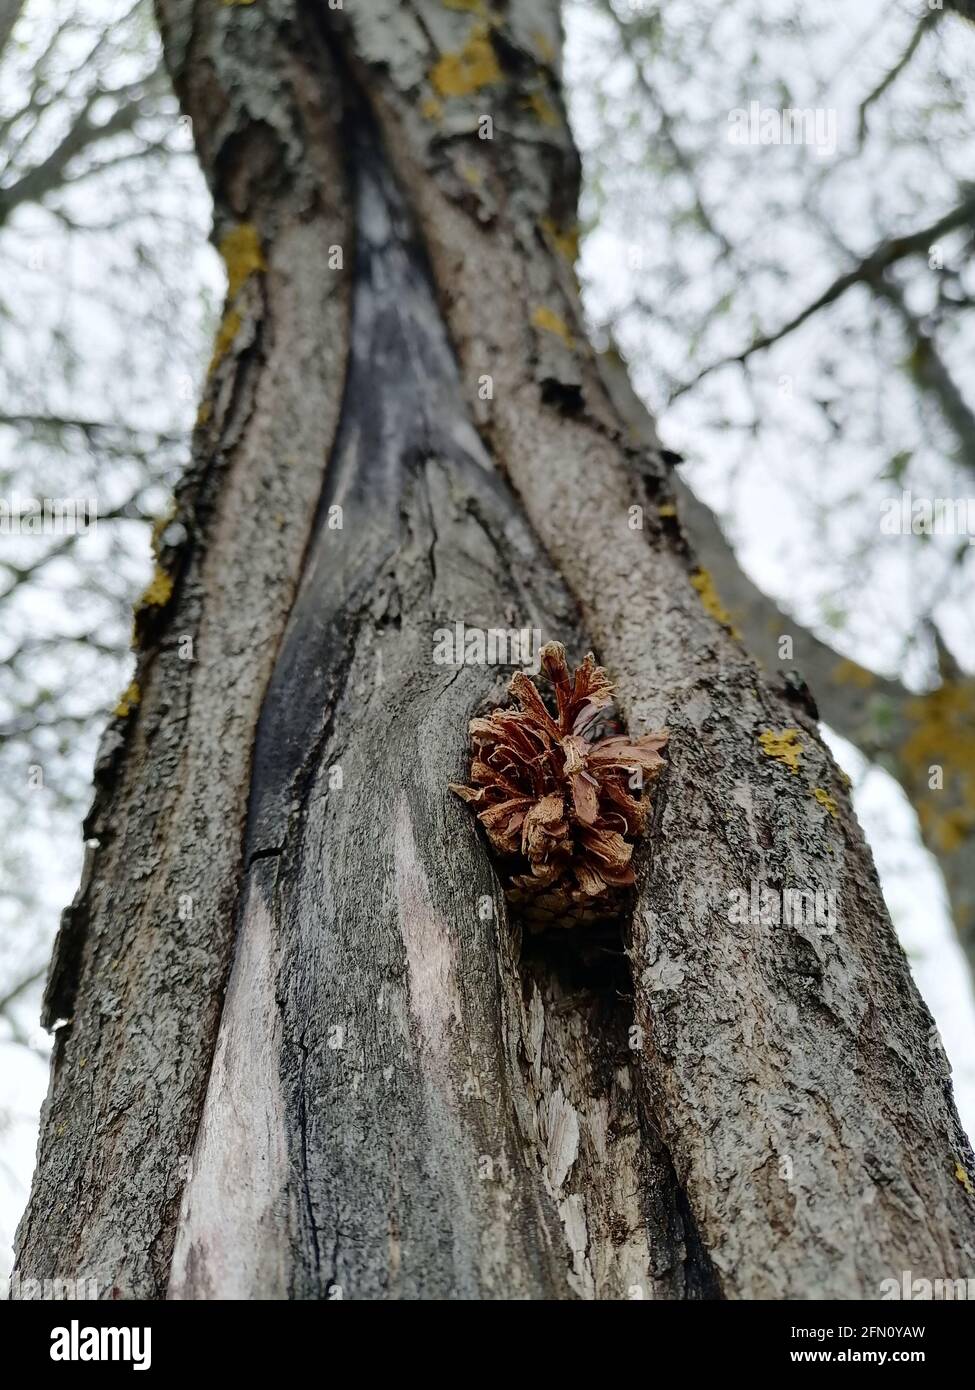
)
(544, 45)
(128, 700)
(824, 799)
(550, 322)
(783, 745)
(157, 592)
(159, 528)
(226, 334)
(703, 582)
(566, 243)
(943, 735)
(240, 249)
(543, 109)
(475, 66)
(847, 672)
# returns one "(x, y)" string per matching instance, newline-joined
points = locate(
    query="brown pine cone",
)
(557, 802)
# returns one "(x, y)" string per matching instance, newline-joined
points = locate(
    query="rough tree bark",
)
(293, 1060)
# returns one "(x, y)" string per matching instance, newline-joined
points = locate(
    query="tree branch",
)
(50, 174)
(21, 987)
(926, 22)
(9, 14)
(932, 373)
(628, 38)
(867, 271)
(90, 428)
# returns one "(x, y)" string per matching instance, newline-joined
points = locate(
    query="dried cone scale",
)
(561, 807)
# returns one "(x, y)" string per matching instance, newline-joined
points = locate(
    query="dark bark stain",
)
(396, 449)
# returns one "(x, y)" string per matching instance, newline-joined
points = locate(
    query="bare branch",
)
(24, 724)
(93, 429)
(931, 372)
(926, 22)
(149, 147)
(628, 38)
(868, 271)
(20, 574)
(51, 173)
(9, 14)
(21, 987)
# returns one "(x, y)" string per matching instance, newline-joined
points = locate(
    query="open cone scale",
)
(559, 805)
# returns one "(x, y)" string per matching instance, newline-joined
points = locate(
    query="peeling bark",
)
(397, 1097)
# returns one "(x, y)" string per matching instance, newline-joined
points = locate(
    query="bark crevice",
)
(526, 1158)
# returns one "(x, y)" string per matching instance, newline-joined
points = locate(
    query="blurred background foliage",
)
(722, 247)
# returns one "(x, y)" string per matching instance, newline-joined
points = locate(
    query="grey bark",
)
(395, 1095)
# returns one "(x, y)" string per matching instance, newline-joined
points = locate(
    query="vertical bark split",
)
(399, 1098)
(453, 1128)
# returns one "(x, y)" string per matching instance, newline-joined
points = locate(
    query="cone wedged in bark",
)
(561, 806)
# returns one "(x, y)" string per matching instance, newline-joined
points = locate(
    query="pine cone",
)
(557, 802)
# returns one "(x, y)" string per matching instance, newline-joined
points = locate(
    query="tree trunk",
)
(298, 1057)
